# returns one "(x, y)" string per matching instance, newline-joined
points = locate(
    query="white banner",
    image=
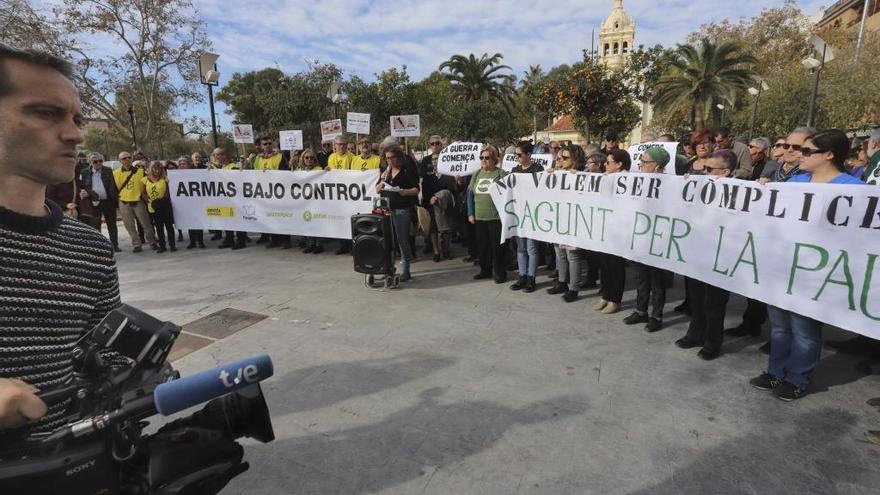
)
(291, 140)
(809, 248)
(330, 129)
(318, 203)
(459, 159)
(635, 153)
(405, 126)
(242, 133)
(357, 123)
(544, 160)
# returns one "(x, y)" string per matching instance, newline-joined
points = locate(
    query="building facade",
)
(847, 15)
(616, 42)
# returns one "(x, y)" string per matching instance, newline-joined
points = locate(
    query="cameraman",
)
(58, 275)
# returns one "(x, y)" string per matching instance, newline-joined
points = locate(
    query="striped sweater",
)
(57, 279)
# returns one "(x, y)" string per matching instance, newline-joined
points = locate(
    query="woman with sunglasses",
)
(796, 340)
(526, 248)
(308, 161)
(484, 217)
(154, 191)
(569, 259)
(613, 268)
(789, 162)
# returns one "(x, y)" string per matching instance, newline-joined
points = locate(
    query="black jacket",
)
(85, 179)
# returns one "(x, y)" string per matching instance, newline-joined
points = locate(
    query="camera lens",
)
(242, 413)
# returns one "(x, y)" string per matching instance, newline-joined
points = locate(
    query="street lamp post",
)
(816, 67)
(756, 92)
(721, 107)
(210, 78)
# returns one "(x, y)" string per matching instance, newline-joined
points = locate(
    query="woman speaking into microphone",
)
(401, 187)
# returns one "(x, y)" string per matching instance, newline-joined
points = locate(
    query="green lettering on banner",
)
(509, 209)
(538, 214)
(605, 212)
(527, 214)
(823, 260)
(673, 239)
(846, 282)
(655, 235)
(718, 250)
(579, 214)
(559, 220)
(635, 232)
(866, 287)
(750, 245)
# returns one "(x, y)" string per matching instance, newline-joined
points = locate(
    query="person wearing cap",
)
(651, 280)
(324, 153)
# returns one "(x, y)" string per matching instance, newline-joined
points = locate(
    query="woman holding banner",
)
(401, 187)
(796, 340)
(569, 259)
(613, 268)
(308, 160)
(483, 215)
(526, 249)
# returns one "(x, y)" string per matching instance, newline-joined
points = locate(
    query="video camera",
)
(120, 379)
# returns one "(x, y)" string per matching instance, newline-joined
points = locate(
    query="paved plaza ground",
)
(453, 386)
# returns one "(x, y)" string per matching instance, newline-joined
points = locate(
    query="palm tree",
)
(704, 75)
(476, 79)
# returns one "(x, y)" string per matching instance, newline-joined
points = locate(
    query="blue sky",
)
(364, 37)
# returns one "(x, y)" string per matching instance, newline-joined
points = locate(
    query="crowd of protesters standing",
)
(444, 210)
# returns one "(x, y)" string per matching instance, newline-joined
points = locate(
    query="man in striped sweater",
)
(57, 276)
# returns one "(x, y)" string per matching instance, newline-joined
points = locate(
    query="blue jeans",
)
(527, 256)
(795, 346)
(401, 220)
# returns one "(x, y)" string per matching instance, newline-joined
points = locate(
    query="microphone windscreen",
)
(180, 394)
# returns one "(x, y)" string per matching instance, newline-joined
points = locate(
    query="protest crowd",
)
(440, 210)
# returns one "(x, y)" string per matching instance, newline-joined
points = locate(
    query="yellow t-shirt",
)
(155, 190)
(271, 163)
(336, 162)
(359, 163)
(132, 191)
(228, 166)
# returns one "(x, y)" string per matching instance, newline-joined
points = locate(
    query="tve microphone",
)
(177, 395)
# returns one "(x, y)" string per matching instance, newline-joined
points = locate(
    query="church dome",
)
(619, 20)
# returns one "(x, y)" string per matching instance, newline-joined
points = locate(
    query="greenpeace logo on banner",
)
(279, 214)
(459, 159)
(220, 211)
(249, 212)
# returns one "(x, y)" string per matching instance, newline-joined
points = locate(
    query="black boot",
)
(570, 296)
(559, 288)
(521, 283)
(530, 285)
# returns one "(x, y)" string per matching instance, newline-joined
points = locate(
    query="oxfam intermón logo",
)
(307, 216)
